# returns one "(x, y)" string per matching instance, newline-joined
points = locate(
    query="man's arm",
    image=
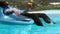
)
(9, 12)
(14, 11)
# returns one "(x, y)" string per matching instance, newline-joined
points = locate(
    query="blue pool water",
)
(32, 29)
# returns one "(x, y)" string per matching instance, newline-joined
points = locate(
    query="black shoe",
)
(52, 22)
(39, 24)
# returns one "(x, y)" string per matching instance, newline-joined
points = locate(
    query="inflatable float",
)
(22, 20)
(15, 19)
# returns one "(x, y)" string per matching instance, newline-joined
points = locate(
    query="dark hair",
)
(3, 4)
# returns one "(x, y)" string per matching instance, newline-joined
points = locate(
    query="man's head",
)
(4, 4)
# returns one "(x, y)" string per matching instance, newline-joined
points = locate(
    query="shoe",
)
(38, 24)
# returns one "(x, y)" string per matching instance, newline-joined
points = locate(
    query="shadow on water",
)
(10, 23)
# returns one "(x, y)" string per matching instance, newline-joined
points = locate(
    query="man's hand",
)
(16, 12)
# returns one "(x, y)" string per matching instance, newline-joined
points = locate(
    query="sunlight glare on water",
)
(6, 16)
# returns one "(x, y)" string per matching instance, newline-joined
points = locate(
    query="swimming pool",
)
(6, 28)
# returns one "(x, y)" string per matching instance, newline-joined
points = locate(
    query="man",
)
(9, 10)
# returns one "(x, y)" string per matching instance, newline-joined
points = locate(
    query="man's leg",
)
(45, 17)
(35, 18)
